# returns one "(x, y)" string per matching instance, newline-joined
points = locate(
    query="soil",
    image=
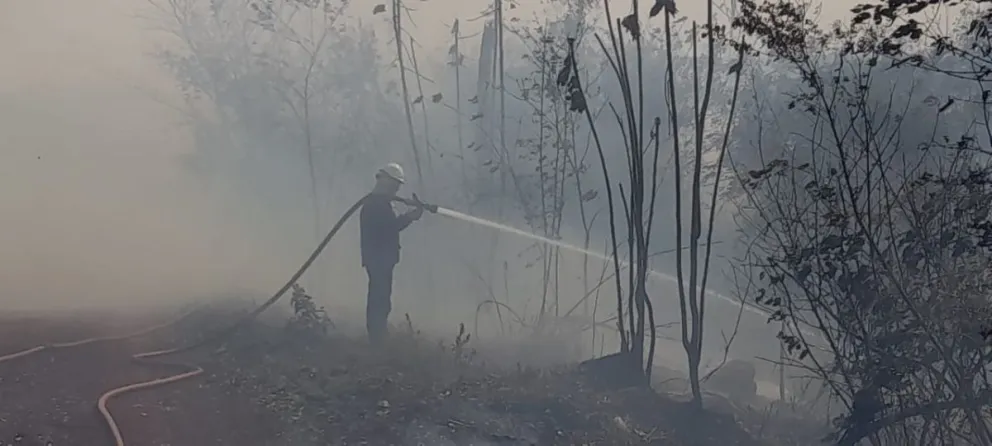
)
(273, 386)
(49, 397)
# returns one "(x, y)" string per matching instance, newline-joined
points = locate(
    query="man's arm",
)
(405, 219)
(381, 218)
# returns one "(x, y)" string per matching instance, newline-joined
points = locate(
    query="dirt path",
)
(49, 398)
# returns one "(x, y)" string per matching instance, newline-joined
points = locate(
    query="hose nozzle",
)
(415, 202)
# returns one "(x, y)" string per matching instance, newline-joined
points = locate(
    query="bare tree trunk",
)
(695, 339)
(315, 287)
(545, 258)
(576, 88)
(458, 99)
(484, 95)
(423, 105)
(781, 365)
(500, 27)
(695, 298)
(398, 36)
(504, 155)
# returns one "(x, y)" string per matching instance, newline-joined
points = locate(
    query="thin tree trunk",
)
(398, 36)
(423, 105)
(458, 100)
(545, 258)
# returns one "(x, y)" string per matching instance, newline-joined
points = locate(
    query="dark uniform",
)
(380, 238)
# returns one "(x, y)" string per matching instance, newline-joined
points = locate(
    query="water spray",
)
(451, 213)
(509, 229)
(623, 264)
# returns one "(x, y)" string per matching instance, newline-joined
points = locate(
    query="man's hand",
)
(416, 213)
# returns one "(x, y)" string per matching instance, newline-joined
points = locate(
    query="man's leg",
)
(379, 301)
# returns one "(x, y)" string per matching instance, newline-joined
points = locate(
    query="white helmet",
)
(394, 171)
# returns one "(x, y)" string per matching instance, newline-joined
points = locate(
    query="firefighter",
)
(380, 240)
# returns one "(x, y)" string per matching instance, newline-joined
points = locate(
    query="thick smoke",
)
(97, 207)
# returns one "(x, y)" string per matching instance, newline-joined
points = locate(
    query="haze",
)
(96, 207)
(100, 207)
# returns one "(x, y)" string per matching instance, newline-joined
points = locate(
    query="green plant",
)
(307, 316)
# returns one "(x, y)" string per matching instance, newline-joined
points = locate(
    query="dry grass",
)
(337, 390)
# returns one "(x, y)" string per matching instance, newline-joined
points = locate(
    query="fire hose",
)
(191, 370)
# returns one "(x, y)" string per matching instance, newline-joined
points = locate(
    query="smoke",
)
(100, 205)
(97, 208)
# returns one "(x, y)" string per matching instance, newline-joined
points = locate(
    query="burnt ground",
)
(268, 385)
(49, 397)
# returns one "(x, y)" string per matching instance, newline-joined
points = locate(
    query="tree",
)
(868, 225)
(639, 202)
(552, 154)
